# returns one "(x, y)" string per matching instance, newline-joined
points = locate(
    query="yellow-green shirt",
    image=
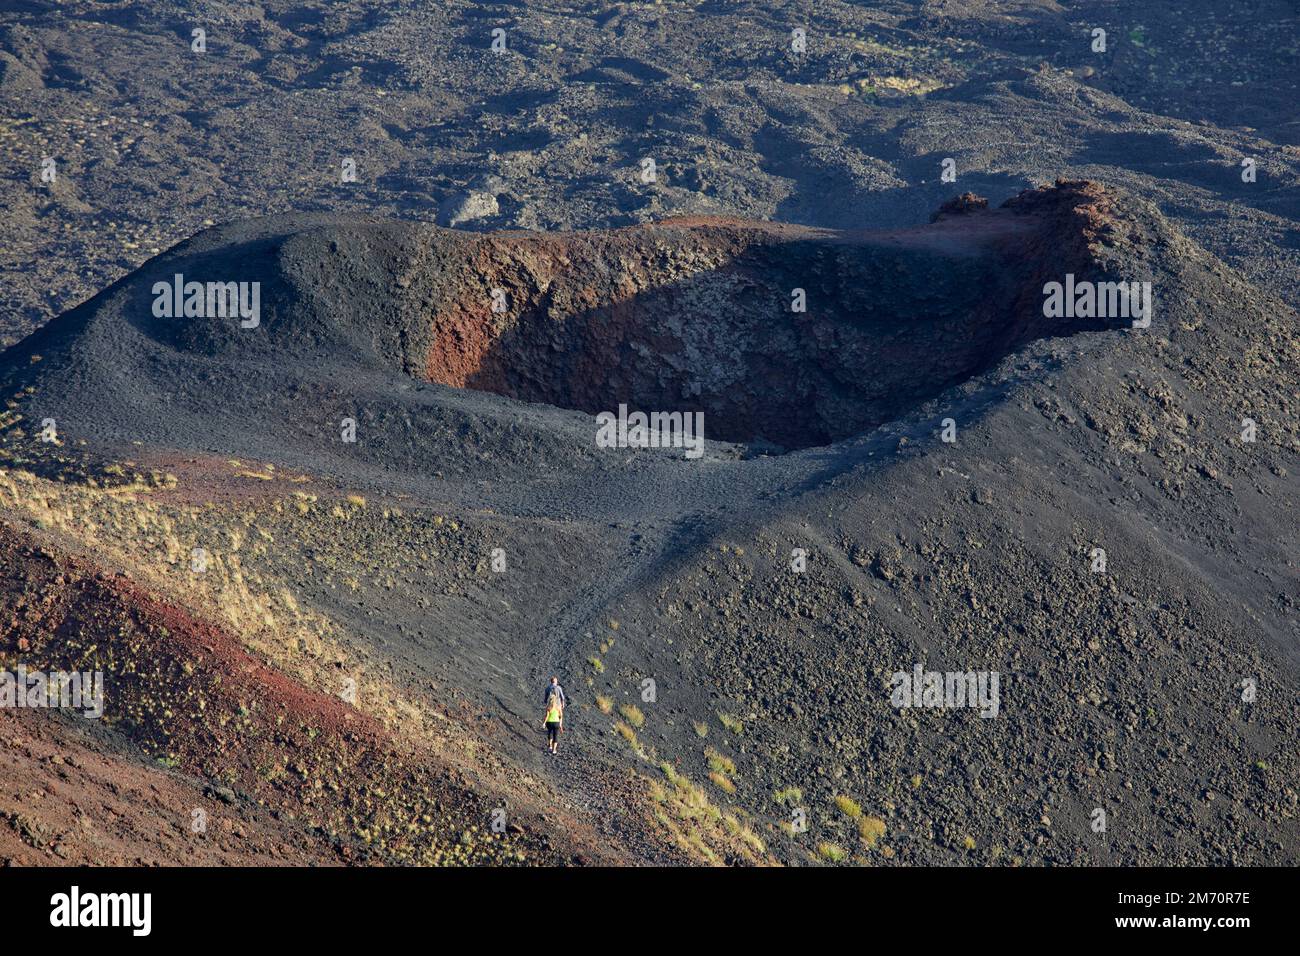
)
(553, 714)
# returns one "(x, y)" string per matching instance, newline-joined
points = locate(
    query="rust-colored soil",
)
(193, 721)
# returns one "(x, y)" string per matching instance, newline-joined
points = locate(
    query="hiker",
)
(554, 689)
(554, 719)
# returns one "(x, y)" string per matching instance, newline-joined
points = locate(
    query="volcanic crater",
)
(784, 336)
(779, 334)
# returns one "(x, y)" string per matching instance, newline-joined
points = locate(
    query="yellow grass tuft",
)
(871, 829)
(788, 795)
(626, 732)
(831, 852)
(718, 762)
(848, 807)
(734, 724)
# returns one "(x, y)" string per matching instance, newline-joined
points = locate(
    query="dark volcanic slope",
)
(1120, 690)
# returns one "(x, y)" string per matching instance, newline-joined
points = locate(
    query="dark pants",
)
(553, 731)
